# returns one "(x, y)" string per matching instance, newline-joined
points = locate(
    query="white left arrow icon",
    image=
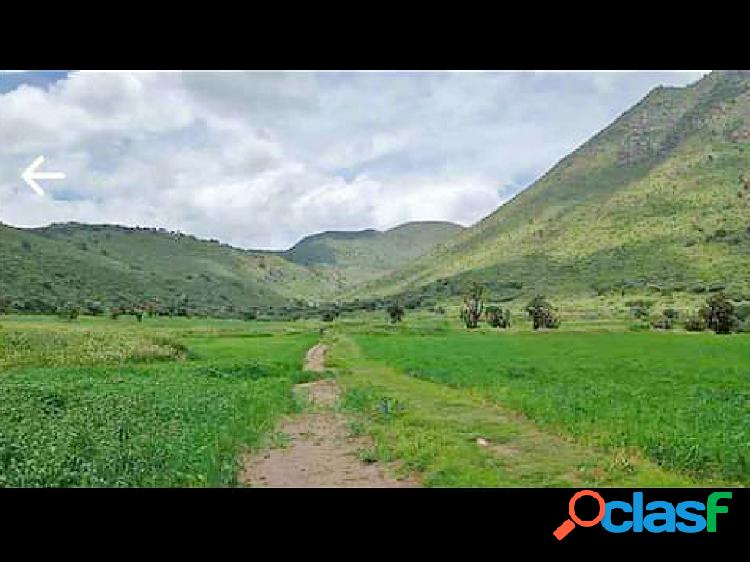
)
(30, 175)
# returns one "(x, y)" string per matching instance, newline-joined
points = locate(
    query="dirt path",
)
(315, 360)
(317, 447)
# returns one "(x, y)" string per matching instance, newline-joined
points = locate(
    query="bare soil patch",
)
(318, 449)
(315, 360)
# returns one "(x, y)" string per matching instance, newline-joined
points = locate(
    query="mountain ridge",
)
(45, 268)
(665, 168)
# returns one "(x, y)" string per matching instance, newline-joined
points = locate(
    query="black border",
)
(376, 37)
(383, 522)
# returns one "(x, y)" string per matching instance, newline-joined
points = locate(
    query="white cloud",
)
(262, 159)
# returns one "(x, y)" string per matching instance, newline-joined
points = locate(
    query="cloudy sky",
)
(259, 160)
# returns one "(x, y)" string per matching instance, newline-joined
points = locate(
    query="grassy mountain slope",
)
(367, 254)
(47, 267)
(650, 204)
(43, 269)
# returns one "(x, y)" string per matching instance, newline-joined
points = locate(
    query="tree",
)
(69, 312)
(541, 313)
(328, 316)
(94, 308)
(182, 306)
(473, 305)
(151, 308)
(497, 316)
(718, 314)
(395, 312)
(5, 303)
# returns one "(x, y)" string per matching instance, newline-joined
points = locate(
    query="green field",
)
(104, 403)
(680, 399)
(176, 402)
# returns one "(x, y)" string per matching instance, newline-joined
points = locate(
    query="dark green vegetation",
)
(99, 267)
(679, 400)
(102, 403)
(473, 306)
(655, 205)
(359, 256)
(395, 312)
(96, 268)
(542, 314)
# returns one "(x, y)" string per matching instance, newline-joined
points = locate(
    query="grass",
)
(679, 400)
(432, 429)
(175, 402)
(105, 403)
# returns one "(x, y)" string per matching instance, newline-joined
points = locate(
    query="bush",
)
(497, 317)
(661, 322)
(69, 312)
(640, 309)
(694, 323)
(473, 306)
(671, 313)
(395, 312)
(742, 311)
(718, 313)
(639, 312)
(541, 313)
(94, 308)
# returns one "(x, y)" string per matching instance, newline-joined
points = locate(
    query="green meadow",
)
(679, 400)
(116, 404)
(177, 402)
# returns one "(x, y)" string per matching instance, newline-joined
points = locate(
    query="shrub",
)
(94, 308)
(718, 313)
(69, 312)
(471, 311)
(639, 312)
(742, 311)
(497, 317)
(640, 309)
(541, 313)
(661, 322)
(395, 312)
(671, 313)
(694, 323)
(328, 316)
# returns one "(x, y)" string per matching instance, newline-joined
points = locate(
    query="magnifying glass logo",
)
(569, 524)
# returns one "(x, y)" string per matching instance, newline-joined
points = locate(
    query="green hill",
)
(367, 254)
(45, 268)
(653, 204)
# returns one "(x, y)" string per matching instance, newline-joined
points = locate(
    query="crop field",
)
(680, 400)
(113, 403)
(177, 402)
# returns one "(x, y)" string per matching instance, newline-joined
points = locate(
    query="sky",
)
(261, 159)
